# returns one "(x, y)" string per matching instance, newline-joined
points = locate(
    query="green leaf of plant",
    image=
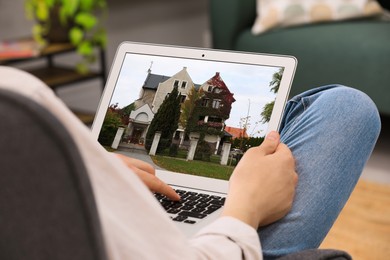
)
(86, 20)
(37, 29)
(50, 3)
(76, 35)
(63, 16)
(42, 12)
(37, 32)
(85, 48)
(70, 7)
(100, 38)
(86, 5)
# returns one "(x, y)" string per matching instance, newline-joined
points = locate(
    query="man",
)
(327, 135)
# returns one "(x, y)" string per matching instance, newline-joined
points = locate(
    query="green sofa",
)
(355, 53)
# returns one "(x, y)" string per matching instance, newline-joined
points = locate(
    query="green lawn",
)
(199, 168)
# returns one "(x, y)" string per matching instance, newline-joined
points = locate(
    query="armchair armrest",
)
(228, 18)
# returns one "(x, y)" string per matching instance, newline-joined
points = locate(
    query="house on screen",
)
(211, 112)
(153, 92)
(156, 88)
(139, 121)
(208, 118)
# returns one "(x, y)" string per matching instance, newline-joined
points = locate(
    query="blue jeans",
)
(331, 132)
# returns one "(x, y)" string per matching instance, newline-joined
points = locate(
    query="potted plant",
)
(74, 21)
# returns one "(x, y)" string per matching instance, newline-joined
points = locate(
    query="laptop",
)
(192, 113)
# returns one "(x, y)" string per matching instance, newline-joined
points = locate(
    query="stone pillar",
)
(156, 140)
(191, 151)
(182, 135)
(225, 153)
(117, 138)
(145, 132)
(217, 146)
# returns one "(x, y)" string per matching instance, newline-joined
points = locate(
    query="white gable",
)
(142, 114)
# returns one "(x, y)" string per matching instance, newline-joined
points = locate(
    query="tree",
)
(111, 122)
(125, 112)
(247, 142)
(165, 120)
(244, 124)
(267, 111)
(188, 107)
(276, 79)
(274, 84)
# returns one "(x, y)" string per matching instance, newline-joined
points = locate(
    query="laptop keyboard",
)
(192, 207)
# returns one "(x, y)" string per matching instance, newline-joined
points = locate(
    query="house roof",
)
(226, 134)
(236, 132)
(152, 81)
(217, 81)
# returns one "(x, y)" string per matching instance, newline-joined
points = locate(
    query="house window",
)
(210, 88)
(216, 103)
(217, 90)
(215, 119)
(184, 84)
(176, 84)
(205, 102)
(215, 122)
(167, 95)
(182, 98)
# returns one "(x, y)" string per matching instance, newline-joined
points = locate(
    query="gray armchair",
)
(47, 205)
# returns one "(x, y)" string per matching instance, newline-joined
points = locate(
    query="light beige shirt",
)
(134, 225)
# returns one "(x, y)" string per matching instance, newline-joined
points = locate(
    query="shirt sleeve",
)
(134, 224)
(235, 240)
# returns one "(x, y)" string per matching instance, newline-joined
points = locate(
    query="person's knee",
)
(355, 105)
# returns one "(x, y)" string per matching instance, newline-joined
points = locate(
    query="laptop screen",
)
(192, 116)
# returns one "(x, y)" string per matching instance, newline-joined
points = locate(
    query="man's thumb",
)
(270, 143)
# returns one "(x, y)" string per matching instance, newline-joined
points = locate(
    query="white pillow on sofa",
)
(282, 13)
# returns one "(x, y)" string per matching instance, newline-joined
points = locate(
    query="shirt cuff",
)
(242, 234)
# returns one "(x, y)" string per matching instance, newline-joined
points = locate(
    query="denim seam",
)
(297, 119)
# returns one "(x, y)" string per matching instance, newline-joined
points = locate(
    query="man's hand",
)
(147, 174)
(262, 186)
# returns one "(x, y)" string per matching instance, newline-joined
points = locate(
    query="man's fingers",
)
(131, 162)
(285, 155)
(270, 143)
(146, 173)
(166, 190)
(157, 185)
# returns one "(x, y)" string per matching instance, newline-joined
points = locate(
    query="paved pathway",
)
(136, 152)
